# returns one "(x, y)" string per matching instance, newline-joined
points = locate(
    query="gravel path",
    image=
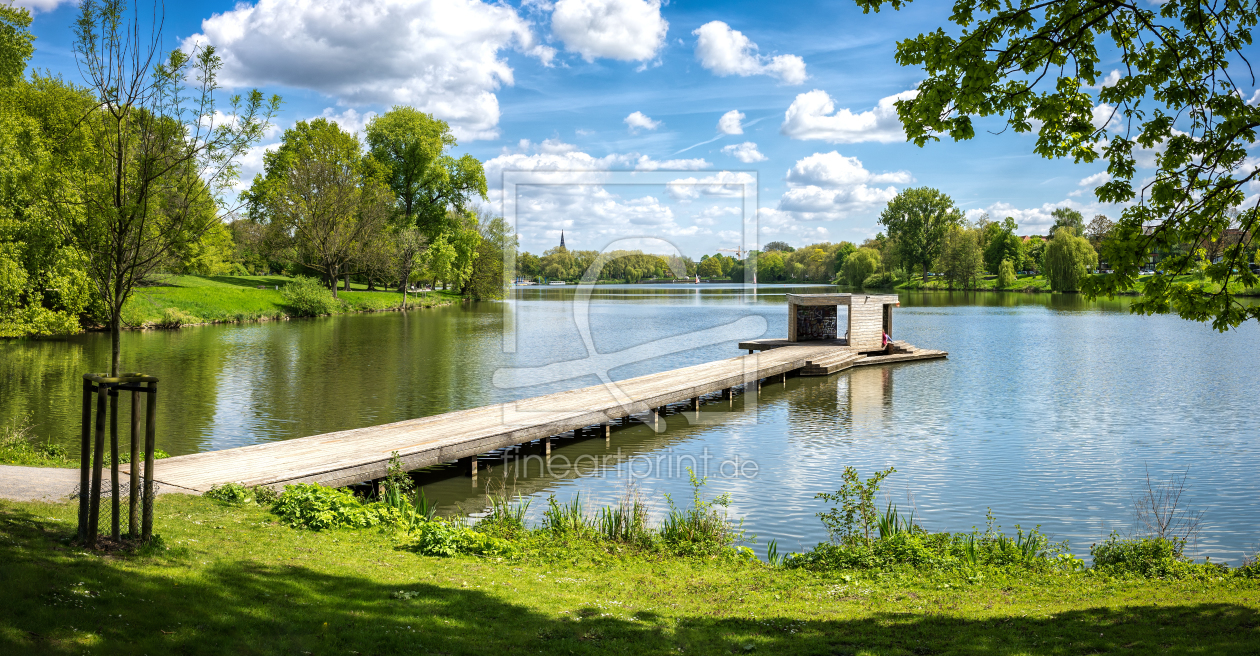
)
(53, 484)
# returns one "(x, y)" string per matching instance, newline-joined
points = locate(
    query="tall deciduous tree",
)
(162, 153)
(323, 196)
(1001, 244)
(919, 219)
(1066, 217)
(498, 242)
(431, 186)
(43, 284)
(1182, 98)
(961, 261)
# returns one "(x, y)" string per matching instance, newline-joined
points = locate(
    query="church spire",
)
(561, 239)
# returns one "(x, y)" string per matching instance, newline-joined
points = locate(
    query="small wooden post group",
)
(92, 455)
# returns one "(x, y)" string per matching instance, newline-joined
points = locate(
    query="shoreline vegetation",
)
(191, 300)
(321, 570)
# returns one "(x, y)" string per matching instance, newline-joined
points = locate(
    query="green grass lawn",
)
(210, 299)
(231, 580)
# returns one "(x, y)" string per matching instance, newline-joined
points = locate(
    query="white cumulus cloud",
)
(813, 115)
(728, 52)
(40, 5)
(835, 170)
(349, 119)
(745, 152)
(830, 186)
(1105, 116)
(640, 121)
(628, 30)
(727, 184)
(1102, 177)
(440, 56)
(731, 122)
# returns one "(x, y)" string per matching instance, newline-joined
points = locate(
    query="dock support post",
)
(469, 464)
(133, 497)
(150, 444)
(547, 446)
(607, 434)
(85, 461)
(97, 458)
(115, 506)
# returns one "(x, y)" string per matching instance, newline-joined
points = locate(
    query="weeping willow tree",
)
(1069, 258)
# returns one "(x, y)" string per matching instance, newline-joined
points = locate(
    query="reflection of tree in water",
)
(1062, 302)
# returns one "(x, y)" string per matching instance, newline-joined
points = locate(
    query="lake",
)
(1050, 410)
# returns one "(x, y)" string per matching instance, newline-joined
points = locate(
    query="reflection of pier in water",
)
(363, 454)
(858, 400)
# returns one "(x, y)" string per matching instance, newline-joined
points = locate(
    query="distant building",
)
(562, 239)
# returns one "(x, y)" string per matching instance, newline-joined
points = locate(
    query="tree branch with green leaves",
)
(1181, 100)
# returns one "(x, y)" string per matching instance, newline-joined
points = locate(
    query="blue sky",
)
(632, 85)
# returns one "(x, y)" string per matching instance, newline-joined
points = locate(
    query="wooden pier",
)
(363, 454)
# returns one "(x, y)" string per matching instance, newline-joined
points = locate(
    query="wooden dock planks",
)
(362, 454)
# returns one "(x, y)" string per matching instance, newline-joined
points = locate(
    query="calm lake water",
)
(1050, 410)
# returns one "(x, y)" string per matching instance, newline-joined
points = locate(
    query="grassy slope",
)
(234, 582)
(238, 298)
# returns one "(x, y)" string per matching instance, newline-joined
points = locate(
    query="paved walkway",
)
(37, 483)
(52, 484)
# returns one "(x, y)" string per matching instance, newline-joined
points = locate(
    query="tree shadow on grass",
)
(269, 282)
(247, 607)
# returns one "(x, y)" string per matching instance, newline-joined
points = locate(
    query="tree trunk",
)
(115, 327)
(333, 282)
(115, 344)
(925, 272)
(347, 277)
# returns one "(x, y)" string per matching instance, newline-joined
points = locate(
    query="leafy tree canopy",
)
(918, 219)
(1181, 98)
(431, 185)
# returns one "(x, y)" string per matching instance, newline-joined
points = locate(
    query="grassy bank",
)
(185, 300)
(236, 579)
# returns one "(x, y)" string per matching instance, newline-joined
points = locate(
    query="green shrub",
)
(231, 493)
(1145, 558)
(308, 297)
(175, 317)
(313, 506)
(445, 538)
(855, 517)
(704, 528)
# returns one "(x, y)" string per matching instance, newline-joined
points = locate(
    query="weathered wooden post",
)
(133, 485)
(98, 455)
(150, 440)
(115, 506)
(607, 434)
(85, 462)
